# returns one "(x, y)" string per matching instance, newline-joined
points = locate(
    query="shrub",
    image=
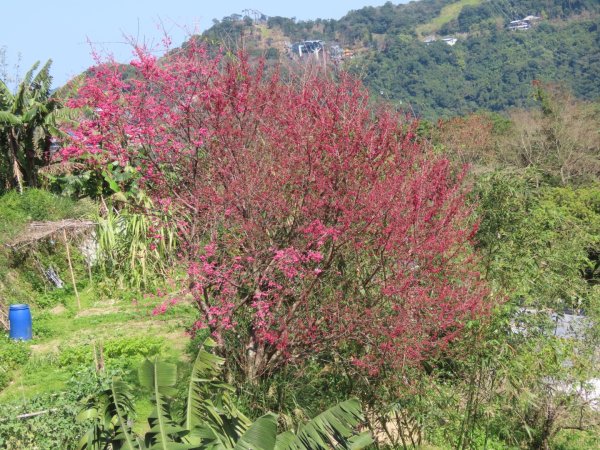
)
(305, 219)
(121, 351)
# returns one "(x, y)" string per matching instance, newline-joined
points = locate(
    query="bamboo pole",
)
(89, 268)
(37, 413)
(71, 269)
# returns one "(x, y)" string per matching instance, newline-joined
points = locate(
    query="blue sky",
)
(60, 29)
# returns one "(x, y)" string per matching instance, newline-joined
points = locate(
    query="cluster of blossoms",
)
(307, 220)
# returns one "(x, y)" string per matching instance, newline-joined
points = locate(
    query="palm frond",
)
(122, 404)
(43, 80)
(67, 115)
(6, 96)
(21, 99)
(210, 409)
(27, 79)
(207, 367)
(110, 411)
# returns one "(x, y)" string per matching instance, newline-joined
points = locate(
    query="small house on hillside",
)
(524, 24)
(519, 25)
(305, 47)
(532, 19)
(450, 40)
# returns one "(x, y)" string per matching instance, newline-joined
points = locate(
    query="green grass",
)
(575, 440)
(125, 328)
(64, 333)
(58, 365)
(20, 272)
(33, 380)
(447, 14)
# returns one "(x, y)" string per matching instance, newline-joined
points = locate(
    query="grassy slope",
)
(59, 327)
(16, 211)
(99, 321)
(448, 13)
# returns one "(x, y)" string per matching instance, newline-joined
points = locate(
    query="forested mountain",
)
(493, 70)
(489, 66)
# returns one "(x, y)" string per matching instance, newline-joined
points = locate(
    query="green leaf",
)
(207, 367)
(261, 435)
(87, 414)
(157, 374)
(9, 118)
(165, 433)
(333, 428)
(123, 403)
(286, 440)
(114, 186)
(361, 440)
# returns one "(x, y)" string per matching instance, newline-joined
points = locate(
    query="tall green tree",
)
(27, 122)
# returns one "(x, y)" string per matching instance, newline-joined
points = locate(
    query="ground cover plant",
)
(73, 354)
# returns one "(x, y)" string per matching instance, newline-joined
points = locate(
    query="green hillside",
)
(493, 70)
(490, 67)
(448, 14)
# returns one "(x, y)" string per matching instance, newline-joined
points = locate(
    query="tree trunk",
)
(16, 177)
(29, 167)
(542, 441)
(254, 361)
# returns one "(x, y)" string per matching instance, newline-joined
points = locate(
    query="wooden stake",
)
(71, 269)
(89, 267)
(38, 413)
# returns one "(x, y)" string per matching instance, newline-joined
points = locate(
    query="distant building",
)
(523, 24)
(306, 47)
(519, 25)
(450, 40)
(532, 19)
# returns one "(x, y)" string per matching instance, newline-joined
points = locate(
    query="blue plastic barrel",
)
(19, 318)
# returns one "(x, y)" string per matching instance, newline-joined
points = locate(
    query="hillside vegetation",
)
(490, 67)
(448, 14)
(493, 70)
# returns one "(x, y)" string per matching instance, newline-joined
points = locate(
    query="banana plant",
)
(110, 412)
(165, 432)
(27, 120)
(211, 420)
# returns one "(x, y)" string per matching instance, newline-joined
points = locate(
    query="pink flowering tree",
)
(307, 220)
